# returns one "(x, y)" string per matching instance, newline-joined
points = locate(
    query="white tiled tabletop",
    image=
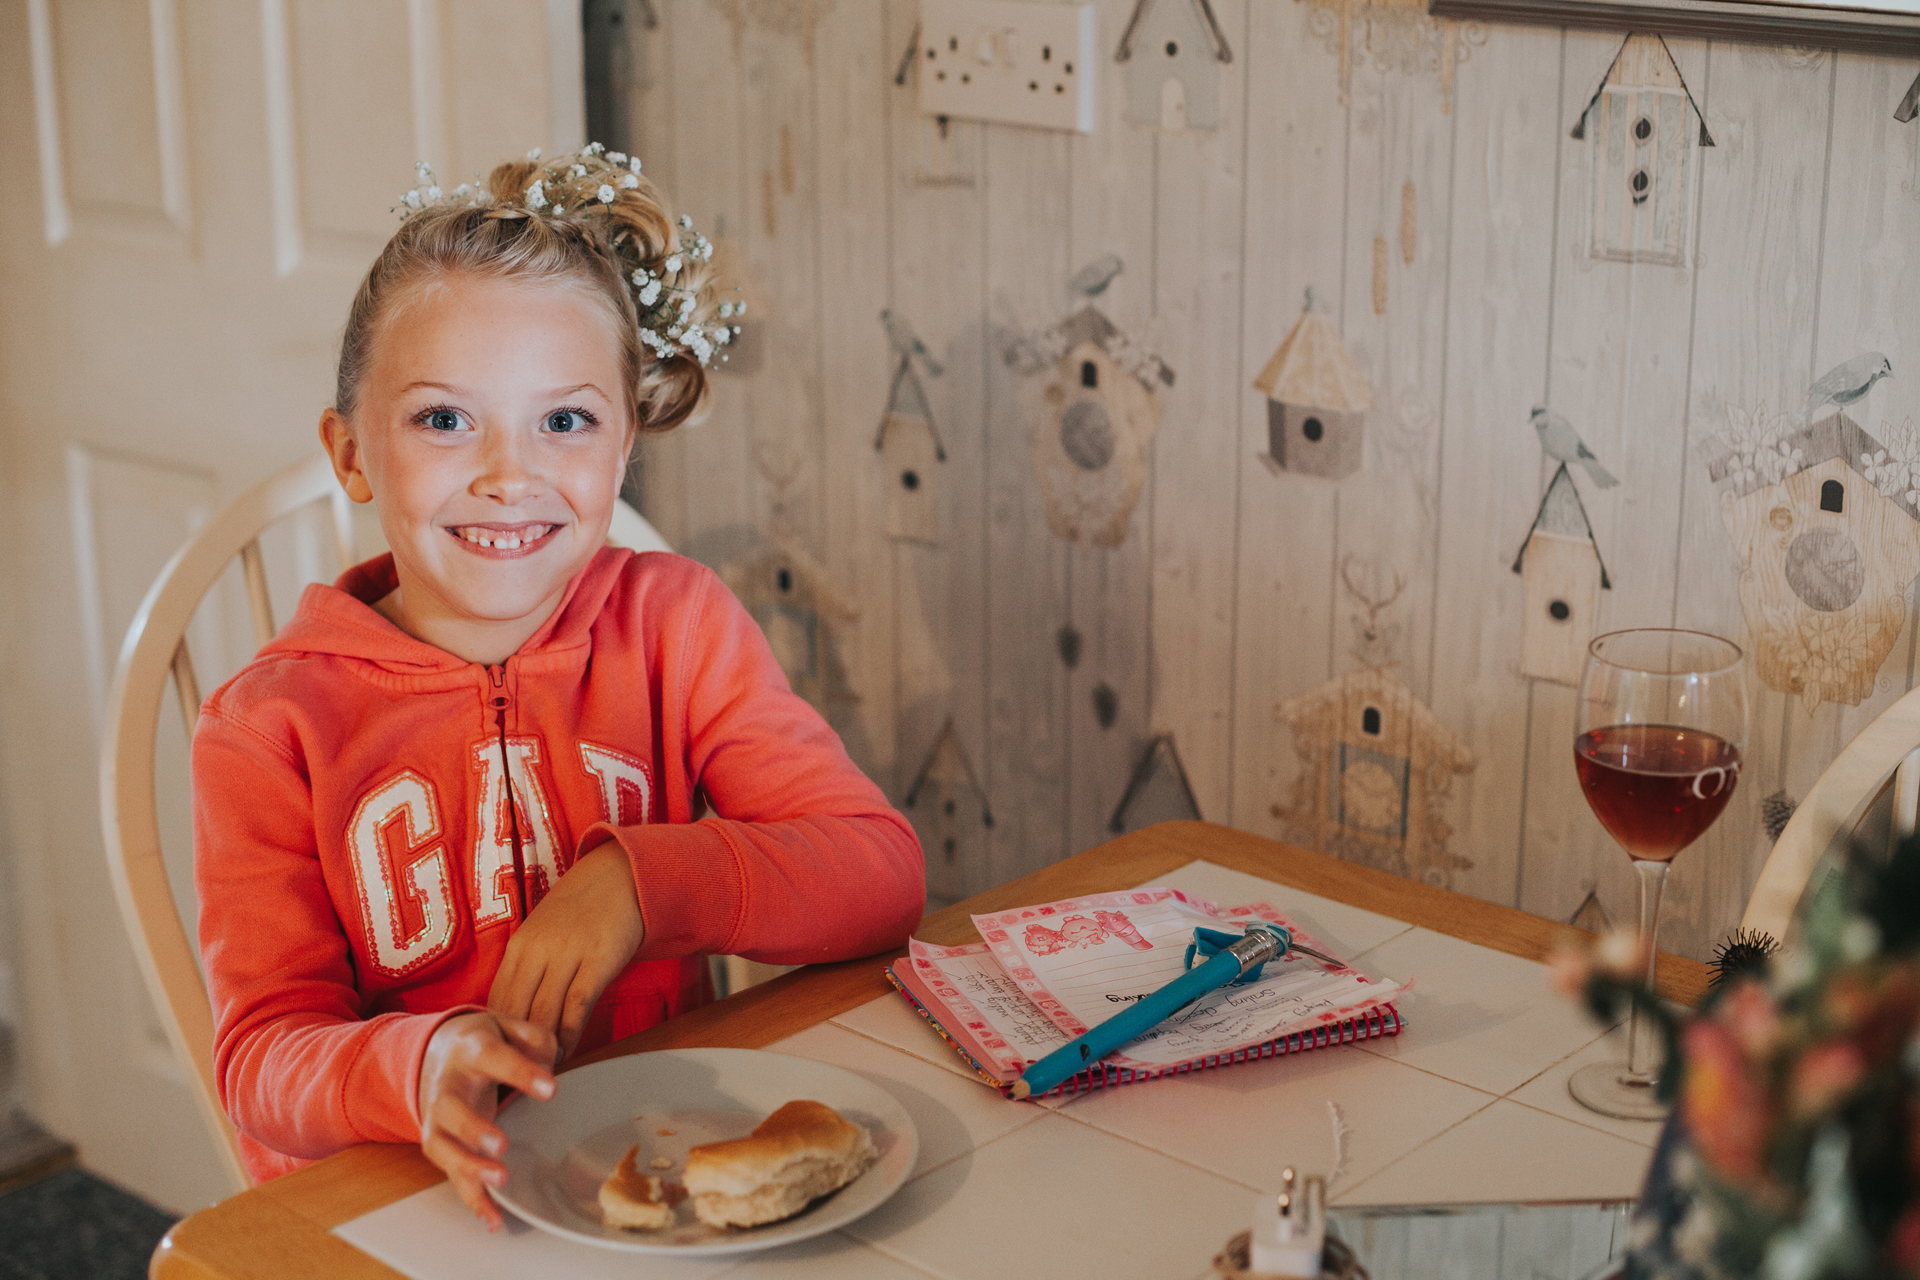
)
(1468, 1104)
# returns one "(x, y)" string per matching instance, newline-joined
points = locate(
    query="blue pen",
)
(1232, 959)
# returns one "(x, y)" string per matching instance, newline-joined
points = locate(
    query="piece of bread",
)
(635, 1201)
(796, 1155)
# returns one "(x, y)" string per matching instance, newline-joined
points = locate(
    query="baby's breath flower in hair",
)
(592, 182)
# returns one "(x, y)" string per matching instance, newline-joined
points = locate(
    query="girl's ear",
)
(341, 446)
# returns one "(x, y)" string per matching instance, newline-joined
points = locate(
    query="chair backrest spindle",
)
(1906, 797)
(187, 685)
(340, 507)
(258, 601)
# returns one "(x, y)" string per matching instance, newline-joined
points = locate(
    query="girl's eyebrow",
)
(575, 390)
(431, 386)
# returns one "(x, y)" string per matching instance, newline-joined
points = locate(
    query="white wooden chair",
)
(156, 649)
(1871, 791)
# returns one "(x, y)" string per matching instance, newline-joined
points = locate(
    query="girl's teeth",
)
(507, 542)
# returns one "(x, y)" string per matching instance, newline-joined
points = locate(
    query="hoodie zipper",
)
(500, 702)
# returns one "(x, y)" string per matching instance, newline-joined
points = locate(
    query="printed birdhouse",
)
(1173, 50)
(733, 281)
(1563, 572)
(1158, 791)
(1826, 559)
(1317, 402)
(1096, 413)
(1376, 768)
(910, 453)
(1645, 132)
(803, 614)
(909, 446)
(948, 809)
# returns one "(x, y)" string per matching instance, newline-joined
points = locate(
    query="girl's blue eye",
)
(564, 420)
(444, 420)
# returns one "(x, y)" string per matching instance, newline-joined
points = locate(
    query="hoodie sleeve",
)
(299, 1069)
(804, 860)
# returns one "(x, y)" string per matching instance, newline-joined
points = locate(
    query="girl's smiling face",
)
(491, 434)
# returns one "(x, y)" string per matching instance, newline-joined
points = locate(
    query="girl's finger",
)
(504, 1063)
(550, 1001)
(581, 996)
(531, 1039)
(453, 1117)
(469, 1175)
(513, 986)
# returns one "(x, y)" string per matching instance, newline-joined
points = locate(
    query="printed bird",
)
(1561, 441)
(1847, 381)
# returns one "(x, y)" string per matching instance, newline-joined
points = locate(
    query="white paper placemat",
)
(430, 1235)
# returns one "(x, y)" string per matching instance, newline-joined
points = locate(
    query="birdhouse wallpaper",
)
(1158, 791)
(1376, 768)
(802, 612)
(949, 812)
(1105, 556)
(1826, 559)
(1095, 414)
(1317, 402)
(1644, 130)
(1564, 576)
(1173, 51)
(911, 454)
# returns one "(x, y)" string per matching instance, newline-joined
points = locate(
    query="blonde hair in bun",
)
(554, 222)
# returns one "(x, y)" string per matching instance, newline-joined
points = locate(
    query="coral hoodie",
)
(354, 852)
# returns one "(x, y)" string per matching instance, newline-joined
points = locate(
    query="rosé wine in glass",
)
(1656, 787)
(1659, 726)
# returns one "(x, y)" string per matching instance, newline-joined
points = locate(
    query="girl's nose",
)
(507, 474)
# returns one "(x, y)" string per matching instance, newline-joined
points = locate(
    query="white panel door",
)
(195, 190)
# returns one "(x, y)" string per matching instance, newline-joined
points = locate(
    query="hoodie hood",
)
(340, 620)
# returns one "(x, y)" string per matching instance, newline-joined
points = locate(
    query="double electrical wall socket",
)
(1004, 60)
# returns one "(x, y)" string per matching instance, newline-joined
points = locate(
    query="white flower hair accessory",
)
(590, 182)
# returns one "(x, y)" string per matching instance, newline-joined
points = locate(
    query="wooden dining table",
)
(1467, 1103)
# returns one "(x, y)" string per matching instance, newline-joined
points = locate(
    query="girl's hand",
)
(468, 1056)
(583, 933)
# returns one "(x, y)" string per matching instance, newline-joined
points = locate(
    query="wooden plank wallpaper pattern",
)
(1227, 597)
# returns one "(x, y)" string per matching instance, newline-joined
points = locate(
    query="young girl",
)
(490, 799)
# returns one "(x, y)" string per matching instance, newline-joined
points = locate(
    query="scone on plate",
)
(635, 1201)
(796, 1155)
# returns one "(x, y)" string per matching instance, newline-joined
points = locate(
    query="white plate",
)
(560, 1151)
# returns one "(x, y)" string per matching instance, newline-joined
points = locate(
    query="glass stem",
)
(1643, 1067)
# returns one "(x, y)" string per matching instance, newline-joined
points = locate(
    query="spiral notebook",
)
(1045, 974)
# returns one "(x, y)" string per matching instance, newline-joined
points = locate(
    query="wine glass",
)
(1658, 731)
